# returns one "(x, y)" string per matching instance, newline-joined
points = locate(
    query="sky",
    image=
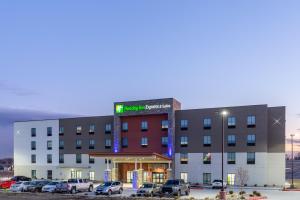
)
(75, 57)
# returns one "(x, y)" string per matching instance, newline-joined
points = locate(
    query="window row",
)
(231, 122)
(49, 131)
(207, 141)
(33, 158)
(92, 129)
(92, 143)
(78, 159)
(49, 145)
(231, 158)
(144, 125)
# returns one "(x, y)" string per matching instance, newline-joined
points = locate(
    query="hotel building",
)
(154, 140)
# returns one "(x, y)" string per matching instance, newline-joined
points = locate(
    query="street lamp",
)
(292, 141)
(224, 113)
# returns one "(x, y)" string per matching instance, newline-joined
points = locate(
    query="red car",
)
(7, 184)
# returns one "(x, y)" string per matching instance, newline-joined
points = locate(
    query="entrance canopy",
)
(134, 157)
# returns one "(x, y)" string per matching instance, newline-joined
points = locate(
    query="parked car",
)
(79, 185)
(7, 184)
(50, 187)
(36, 186)
(217, 184)
(20, 186)
(109, 188)
(175, 187)
(62, 187)
(148, 189)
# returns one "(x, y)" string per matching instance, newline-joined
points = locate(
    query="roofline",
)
(171, 98)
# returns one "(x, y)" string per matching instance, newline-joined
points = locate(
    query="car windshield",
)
(147, 185)
(215, 181)
(53, 183)
(34, 183)
(172, 182)
(106, 184)
(72, 181)
(26, 183)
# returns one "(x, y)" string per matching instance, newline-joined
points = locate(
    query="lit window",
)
(183, 158)
(78, 130)
(231, 157)
(92, 176)
(206, 158)
(61, 130)
(164, 124)
(231, 122)
(184, 124)
(144, 126)
(207, 140)
(251, 121)
(144, 141)
(207, 123)
(184, 141)
(92, 129)
(231, 140)
(91, 160)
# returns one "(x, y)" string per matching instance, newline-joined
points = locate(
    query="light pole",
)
(223, 193)
(292, 141)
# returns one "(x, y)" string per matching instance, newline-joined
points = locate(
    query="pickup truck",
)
(176, 187)
(79, 185)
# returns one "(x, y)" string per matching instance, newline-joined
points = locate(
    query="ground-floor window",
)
(33, 174)
(49, 174)
(92, 176)
(145, 177)
(129, 176)
(206, 178)
(158, 177)
(184, 176)
(230, 179)
(76, 174)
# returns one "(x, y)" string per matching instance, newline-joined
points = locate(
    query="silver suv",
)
(176, 187)
(109, 188)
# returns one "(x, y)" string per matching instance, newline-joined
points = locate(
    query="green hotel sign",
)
(121, 108)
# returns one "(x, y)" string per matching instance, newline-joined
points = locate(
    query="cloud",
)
(16, 90)
(296, 141)
(9, 116)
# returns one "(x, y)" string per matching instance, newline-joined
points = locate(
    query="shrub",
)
(230, 192)
(242, 192)
(265, 185)
(255, 185)
(242, 197)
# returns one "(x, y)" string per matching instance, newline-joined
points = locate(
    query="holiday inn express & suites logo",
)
(121, 108)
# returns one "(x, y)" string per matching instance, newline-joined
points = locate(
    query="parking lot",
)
(274, 194)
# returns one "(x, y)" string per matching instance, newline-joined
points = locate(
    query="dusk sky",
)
(63, 58)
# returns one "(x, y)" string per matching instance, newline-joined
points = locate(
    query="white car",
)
(218, 184)
(50, 187)
(20, 186)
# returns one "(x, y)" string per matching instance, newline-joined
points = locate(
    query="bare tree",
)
(242, 177)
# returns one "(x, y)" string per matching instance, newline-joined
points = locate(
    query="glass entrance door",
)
(129, 176)
(231, 179)
(158, 177)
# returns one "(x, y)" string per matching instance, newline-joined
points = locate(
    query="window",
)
(33, 132)
(107, 128)
(109, 161)
(49, 145)
(33, 158)
(49, 174)
(33, 145)
(92, 176)
(251, 121)
(184, 124)
(92, 129)
(231, 122)
(231, 158)
(164, 124)
(231, 179)
(124, 142)
(78, 158)
(92, 144)
(61, 158)
(144, 126)
(184, 141)
(49, 131)
(183, 158)
(231, 140)
(124, 126)
(206, 178)
(184, 176)
(49, 158)
(206, 158)
(78, 130)
(61, 130)
(207, 123)
(91, 160)
(251, 140)
(33, 174)
(250, 158)
(164, 141)
(144, 142)
(207, 141)
(61, 144)
(78, 144)
(107, 143)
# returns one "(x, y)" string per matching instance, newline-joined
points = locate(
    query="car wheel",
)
(120, 191)
(151, 194)
(187, 192)
(109, 192)
(90, 188)
(73, 190)
(178, 193)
